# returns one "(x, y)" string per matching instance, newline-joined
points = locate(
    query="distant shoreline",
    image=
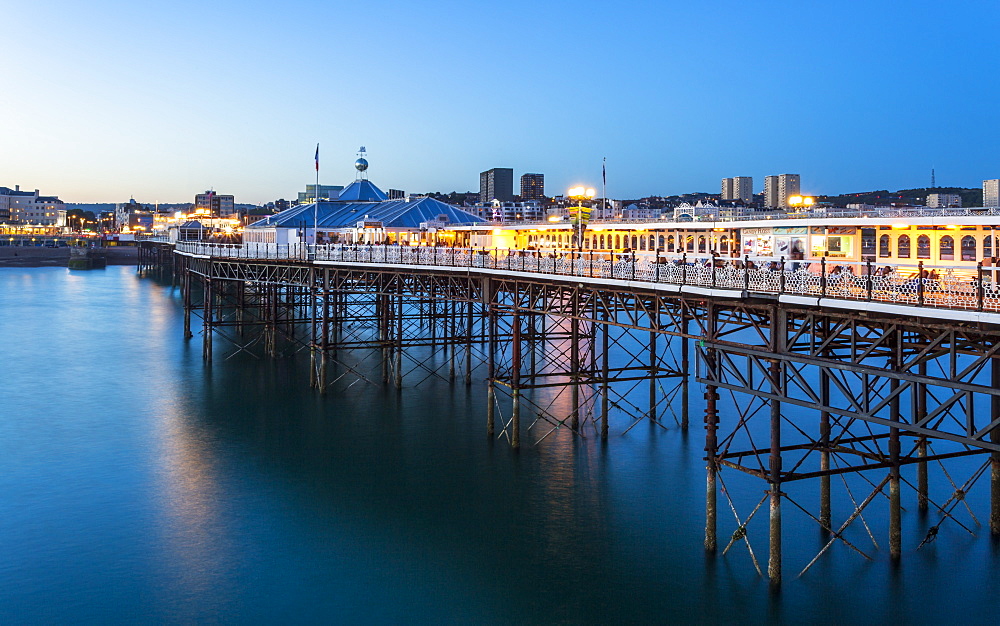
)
(21, 256)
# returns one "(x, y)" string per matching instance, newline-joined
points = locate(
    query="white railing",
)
(939, 286)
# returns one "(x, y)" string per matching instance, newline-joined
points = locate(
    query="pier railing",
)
(940, 286)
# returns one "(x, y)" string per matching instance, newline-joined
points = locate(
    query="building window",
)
(670, 243)
(635, 242)
(867, 242)
(987, 246)
(701, 244)
(924, 247)
(618, 242)
(661, 242)
(903, 247)
(883, 246)
(689, 243)
(642, 242)
(652, 242)
(946, 248)
(968, 248)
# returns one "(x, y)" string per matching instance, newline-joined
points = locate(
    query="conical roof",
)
(362, 191)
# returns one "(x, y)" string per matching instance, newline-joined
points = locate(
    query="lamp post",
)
(580, 194)
(804, 202)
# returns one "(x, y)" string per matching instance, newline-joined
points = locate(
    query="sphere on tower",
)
(361, 164)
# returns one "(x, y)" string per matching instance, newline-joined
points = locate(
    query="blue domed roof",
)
(362, 191)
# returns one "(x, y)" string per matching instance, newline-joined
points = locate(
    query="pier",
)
(807, 374)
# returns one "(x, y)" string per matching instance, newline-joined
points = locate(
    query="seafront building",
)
(944, 200)
(778, 189)
(29, 207)
(497, 211)
(496, 184)
(214, 204)
(991, 192)
(532, 186)
(738, 188)
(326, 192)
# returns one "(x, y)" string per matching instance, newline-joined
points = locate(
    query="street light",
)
(801, 202)
(580, 194)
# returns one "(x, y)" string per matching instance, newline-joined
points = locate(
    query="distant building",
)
(326, 192)
(991, 192)
(532, 186)
(496, 184)
(28, 207)
(944, 200)
(217, 205)
(738, 188)
(777, 190)
(124, 213)
(508, 211)
(396, 194)
(640, 212)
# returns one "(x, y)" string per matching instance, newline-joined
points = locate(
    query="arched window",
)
(946, 248)
(701, 243)
(642, 243)
(903, 247)
(987, 246)
(883, 246)
(618, 241)
(635, 242)
(670, 243)
(924, 247)
(662, 242)
(689, 241)
(652, 242)
(602, 241)
(724, 245)
(968, 248)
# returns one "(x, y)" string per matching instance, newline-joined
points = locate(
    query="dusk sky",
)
(104, 100)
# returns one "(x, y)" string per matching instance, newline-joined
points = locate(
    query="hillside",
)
(918, 197)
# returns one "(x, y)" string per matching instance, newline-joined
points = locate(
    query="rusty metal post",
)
(920, 389)
(515, 379)
(207, 321)
(468, 340)
(711, 436)
(605, 375)
(778, 338)
(995, 456)
(774, 535)
(491, 322)
(574, 360)
(686, 367)
(186, 291)
(895, 510)
(825, 513)
(324, 332)
(398, 364)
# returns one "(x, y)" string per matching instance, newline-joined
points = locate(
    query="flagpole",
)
(316, 203)
(604, 190)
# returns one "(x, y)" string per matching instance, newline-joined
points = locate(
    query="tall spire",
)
(361, 165)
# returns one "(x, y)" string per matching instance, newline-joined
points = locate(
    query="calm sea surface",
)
(139, 485)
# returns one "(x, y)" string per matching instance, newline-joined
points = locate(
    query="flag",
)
(317, 157)
(604, 171)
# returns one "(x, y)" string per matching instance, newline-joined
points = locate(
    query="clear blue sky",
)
(159, 100)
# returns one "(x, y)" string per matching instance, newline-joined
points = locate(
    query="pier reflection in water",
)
(138, 484)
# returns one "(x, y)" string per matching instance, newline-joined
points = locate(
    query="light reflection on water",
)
(138, 485)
